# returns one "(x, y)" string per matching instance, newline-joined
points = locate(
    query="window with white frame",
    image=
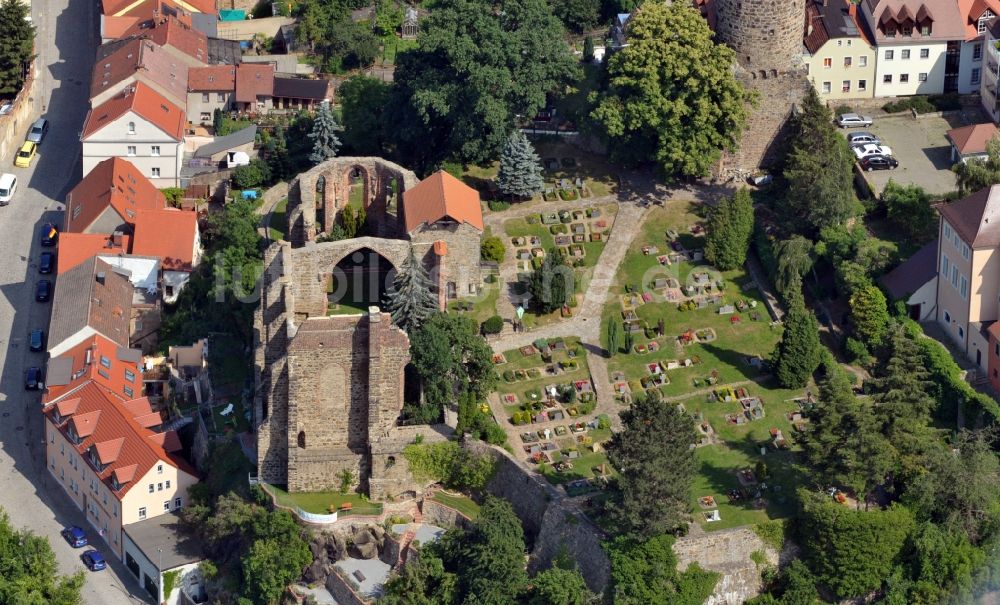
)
(177, 502)
(847, 61)
(154, 150)
(131, 127)
(827, 62)
(922, 77)
(826, 88)
(904, 54)
(863, 61)
(887, 79)
(977, 51)
(156, 173)
(862, 85)
(984, 21)
(925, 53)
(166, 506)
(888, 55)
(947, 231)
(974, 77)
(130, 150)
(845, 86)
(142, 512)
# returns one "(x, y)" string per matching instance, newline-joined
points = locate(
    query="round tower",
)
(767, 36)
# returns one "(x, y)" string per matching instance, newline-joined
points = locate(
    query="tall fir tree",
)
(730, 226)
(614, 337)
(552, 285)
(798, 353)
(17, 40)
(520, 173)
(411, 298)
(324, 135)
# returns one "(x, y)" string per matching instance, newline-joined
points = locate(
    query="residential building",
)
(104, 451)
(210, 88)
(840, 57)
(976, 16)
(107, 198)
(989, 90)
(968, 266)
(250, 88)
(172, 236)
(90, 299)
(295, 92)
(221, 149)
(118, 17)
(914, 281)
(142, 125)
(969, 142)
(137, 60)
(919, 45)
(175, 34)
(159, 546)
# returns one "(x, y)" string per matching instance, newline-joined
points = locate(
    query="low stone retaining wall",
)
(14, 125)
(442, 515)
(342, 591)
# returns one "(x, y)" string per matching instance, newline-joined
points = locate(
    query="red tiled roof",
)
(253, 80)
(971, 11)
(68, 406)
(441, 196)
(101, 421)
(144, 102)
(215, 78)
(142, 60)
(174, 32)
(125, 7)
(112, 378)
(75, 248)
(117, 183)
(972, 139)
(168, 234)
(149, 420)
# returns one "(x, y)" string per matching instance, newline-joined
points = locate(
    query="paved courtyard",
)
(921, 148)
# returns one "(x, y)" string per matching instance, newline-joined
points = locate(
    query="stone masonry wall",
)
(778, 95)
(765, 35)
(438, 514)
(727, 552)
(270, 371)
(461, 263)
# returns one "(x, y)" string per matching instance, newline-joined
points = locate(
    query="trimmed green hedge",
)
(952, 391)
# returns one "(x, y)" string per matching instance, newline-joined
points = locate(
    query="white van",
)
(8, 185)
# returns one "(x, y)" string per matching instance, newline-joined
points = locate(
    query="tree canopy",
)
(672, 96)
(17, 39)
(29, 574)
(520, 172)
(645, 573)
(798, 352)
(411, 298)
(552, 285)
(324, 135)
(656, 467)
(363, 103)
(730, 225)
(974, 175)
(478, 65)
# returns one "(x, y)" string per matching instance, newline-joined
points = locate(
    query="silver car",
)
(853, 120)
(863, 138)
(38, 131)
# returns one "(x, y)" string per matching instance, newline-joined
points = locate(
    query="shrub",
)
(496, 435)
(947, 102)
(857, 352)
(492, 249)
(842, 109)
(254, 174)
(449, 463)
(558, 229)
(493, 325)
(498, 205)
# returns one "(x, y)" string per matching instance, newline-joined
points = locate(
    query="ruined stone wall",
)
(333, 177)
(728, 553)
(438, 514)
(764, 35)
(311, 267)
(551, 524)
(777, 96)
(271, 325)
(460, 265)
(389, 476)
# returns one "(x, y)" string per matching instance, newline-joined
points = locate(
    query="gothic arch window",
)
(302, 439)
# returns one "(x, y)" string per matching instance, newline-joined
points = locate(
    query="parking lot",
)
(923, 152)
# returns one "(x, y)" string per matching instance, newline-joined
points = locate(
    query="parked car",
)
(49, 235)
(43, 291)
(25, 154)
(8, 185)
(863, 138)
(94, 560)
(865, 150)
(878, 162)
(38, 131)
(853, 120)
(75, 536)
(36, 340)
(46, 263)
(33, 380)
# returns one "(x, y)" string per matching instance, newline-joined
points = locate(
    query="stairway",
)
(404, 544)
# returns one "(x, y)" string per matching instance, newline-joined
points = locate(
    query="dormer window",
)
(925, 29)
(890, 30)
(73, 436)
(95, 460)
(907, 30)
(984, 20)
(56, 416)
(115, 485)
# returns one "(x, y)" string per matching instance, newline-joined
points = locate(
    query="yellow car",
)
(25, 154)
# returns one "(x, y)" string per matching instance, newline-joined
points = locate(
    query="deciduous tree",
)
(558, 586)
(672, 96)
(411, 298)
(730, 226)
(909, 207)
(451, 358)
(645, 573)
(324, 135)
(656, 467)
(477, 66)
(28, 570)
(974, 175)
(363, 103)
(520, 174)
(577, 15)
(794, 259)
(17, 39)
(492, 249)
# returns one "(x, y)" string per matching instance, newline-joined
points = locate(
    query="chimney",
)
(100, 277)
(116, 238)
(852, 9)
(87, 360)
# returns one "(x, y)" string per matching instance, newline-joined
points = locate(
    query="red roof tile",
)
(168, 234)
(68, 406)
(101, 420)
(441, 197)
(216, 78)
(75, 248)
(254, 80)
(117, 183)
(126, 7)
(138, 60)
(112, 378)
(144, 102)
(173, 32)
(972, 139)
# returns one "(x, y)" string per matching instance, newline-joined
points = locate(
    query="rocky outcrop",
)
(727, 552)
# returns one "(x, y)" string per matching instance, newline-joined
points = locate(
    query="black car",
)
(43, 291)
(36, 340)
(878, 162)
(46, 263)
(33, 379)
(49, 235)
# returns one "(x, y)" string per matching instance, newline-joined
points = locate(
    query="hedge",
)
(952, 390)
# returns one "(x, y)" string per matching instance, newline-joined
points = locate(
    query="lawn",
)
(392, 45)
(320, 502)
(279, 221)
(722, 361)
(462, 504)
(484, 306)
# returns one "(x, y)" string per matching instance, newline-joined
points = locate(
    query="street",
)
(66, 40)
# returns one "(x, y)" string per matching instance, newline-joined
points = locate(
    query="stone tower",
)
(767, 38)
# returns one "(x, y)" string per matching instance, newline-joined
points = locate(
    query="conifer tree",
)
(411, 298)
(614, 337)
(798, 352)
(730, 226)
(324, 136)
(520, 168)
